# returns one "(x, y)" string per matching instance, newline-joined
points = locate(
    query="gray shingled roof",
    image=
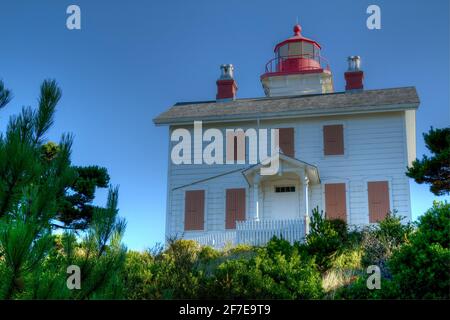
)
(306, 105)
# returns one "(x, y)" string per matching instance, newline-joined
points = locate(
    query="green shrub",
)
(379, 242)
(137, 276)
(176, 275)
(345, 266)
(280, 246)
(340, 226)
(330, 264)
(358, 290)
(418, 262)
(421, 267)
(207, 254)
(434, 225)
(325, 238)
(271, 274)
(240, 251)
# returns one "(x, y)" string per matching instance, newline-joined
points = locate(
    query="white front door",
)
(284, 202)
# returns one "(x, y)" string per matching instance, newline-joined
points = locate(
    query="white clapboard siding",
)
(375, 148)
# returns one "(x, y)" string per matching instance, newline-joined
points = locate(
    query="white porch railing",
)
(260, 232)
(216, 239)
(253, 233)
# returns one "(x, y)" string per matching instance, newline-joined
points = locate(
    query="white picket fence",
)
(254, 233)
(260, 232)
(216, 239)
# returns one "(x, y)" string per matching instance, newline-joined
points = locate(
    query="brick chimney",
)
(354, 75)
(226, 86)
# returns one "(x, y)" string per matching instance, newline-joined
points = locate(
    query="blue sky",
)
(133, 59)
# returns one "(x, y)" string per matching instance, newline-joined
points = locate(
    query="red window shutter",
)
(335, 201)
(333, 139)
(235, 207)
(379, 204)
(194, 210)
(286, 136)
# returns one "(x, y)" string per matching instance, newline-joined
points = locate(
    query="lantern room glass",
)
(300, 48)
(308, 50)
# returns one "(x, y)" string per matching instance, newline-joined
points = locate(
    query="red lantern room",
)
(299, 65)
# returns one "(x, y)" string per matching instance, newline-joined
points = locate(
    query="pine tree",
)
(434, 170)
(25, 145)
(5, 95)
(35, 177)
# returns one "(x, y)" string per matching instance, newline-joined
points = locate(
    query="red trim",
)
(296, 39)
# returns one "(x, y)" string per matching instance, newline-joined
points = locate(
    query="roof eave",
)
(290, 114)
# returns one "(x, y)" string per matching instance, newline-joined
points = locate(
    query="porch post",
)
(256, 198)
(306, 206)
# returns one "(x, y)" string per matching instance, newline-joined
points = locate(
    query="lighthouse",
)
(297, 69)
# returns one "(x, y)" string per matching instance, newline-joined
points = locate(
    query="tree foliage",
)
(26, 157)
(421, 267)
(434, 170)
(36, 179)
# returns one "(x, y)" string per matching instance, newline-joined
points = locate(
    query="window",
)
(283, 50)
(194, 210)
(316, 51)
(286, 138)
(335, 201)
(308, 50)
(235, 207)
(285, 189)
(379, 203)
(333, 139)
(295, 49)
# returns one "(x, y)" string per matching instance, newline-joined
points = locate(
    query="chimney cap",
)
(226, 71)
(354, 63)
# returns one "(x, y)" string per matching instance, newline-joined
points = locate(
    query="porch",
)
(253, 233)
(277, 205)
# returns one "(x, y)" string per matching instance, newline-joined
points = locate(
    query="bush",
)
(418, 262)
(358, 290)
(331, 264)
(325, 238)
(176, 273)
(434, 226)
(379, 242)
(137, 276)
(421, 267)
(271, 274)
(345, 267)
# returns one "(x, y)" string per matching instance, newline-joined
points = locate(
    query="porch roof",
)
(311, 171)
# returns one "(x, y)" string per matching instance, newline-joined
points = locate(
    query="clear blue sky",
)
(134, 59)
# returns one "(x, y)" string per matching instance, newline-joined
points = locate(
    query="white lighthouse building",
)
(342, 150)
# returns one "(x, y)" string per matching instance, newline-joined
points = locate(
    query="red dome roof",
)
(296, 38)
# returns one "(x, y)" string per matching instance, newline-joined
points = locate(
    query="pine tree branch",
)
(5, 95)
